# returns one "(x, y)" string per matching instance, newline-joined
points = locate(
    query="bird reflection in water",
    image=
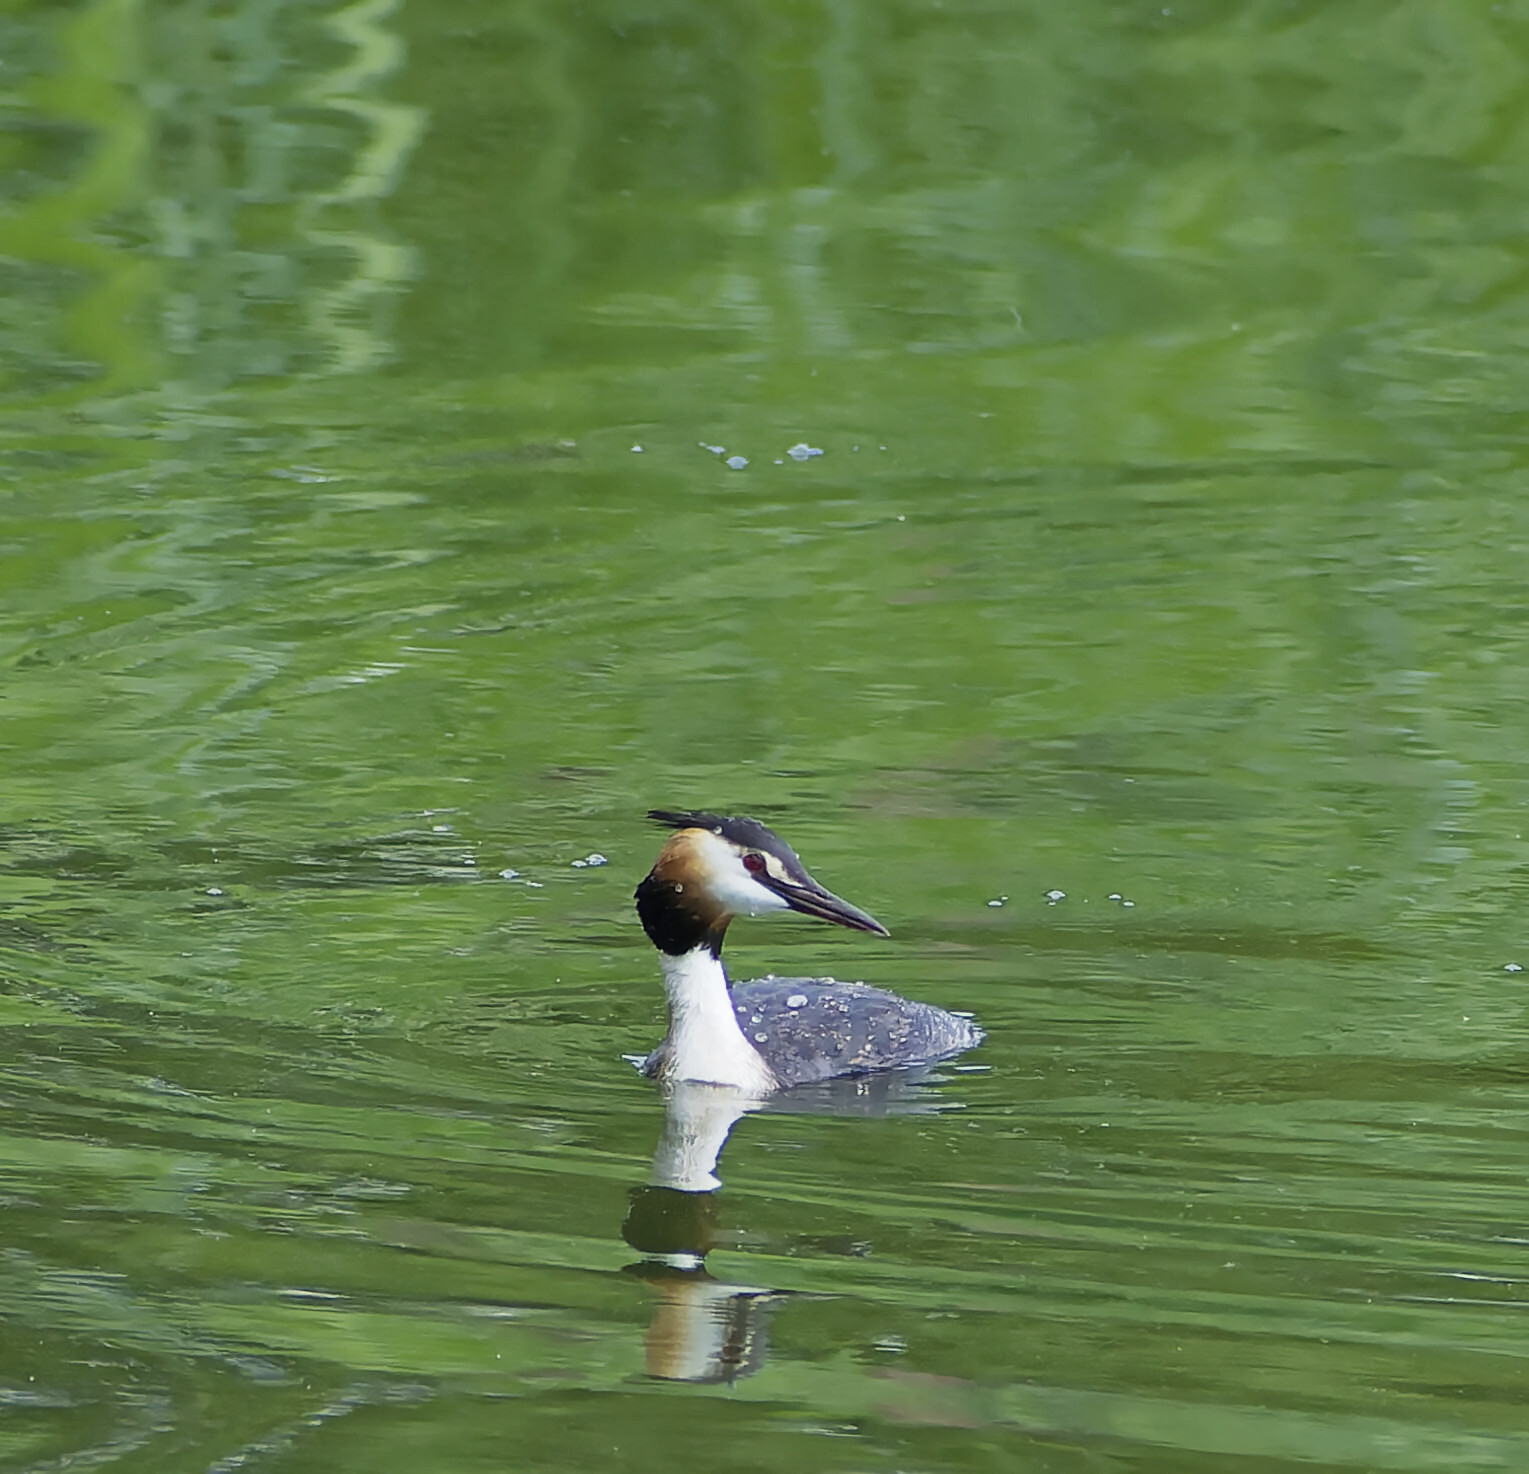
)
(706, 1329)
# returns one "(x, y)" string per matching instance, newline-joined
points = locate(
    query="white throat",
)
(705, 1043)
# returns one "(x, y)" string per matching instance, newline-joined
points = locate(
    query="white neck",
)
(705, 1042)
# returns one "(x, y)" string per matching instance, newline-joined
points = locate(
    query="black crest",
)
(749, 833)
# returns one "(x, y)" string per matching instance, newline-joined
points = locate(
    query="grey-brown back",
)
(814, 1028)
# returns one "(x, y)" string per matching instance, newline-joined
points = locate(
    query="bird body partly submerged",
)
(776, 1032)
(810, 1029)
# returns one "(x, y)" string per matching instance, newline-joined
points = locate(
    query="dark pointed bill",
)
(812, 900)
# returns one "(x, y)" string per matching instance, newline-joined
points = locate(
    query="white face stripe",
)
(730, 885)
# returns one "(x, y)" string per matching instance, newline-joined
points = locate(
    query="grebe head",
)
(714, 868)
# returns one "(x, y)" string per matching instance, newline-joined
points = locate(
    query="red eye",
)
(754, 864)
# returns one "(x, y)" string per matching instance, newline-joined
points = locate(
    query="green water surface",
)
(1147, 647)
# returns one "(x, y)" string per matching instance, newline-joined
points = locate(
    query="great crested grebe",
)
(776, 1032)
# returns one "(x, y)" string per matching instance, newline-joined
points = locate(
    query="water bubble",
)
(801, 451)
(998, 901)
(589, 862)
(716, 450)
(1054, 896)
(509, 875)
(636, 450)
(737, 463)
(214, 890)
(1514, 967)
(797, 1000)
